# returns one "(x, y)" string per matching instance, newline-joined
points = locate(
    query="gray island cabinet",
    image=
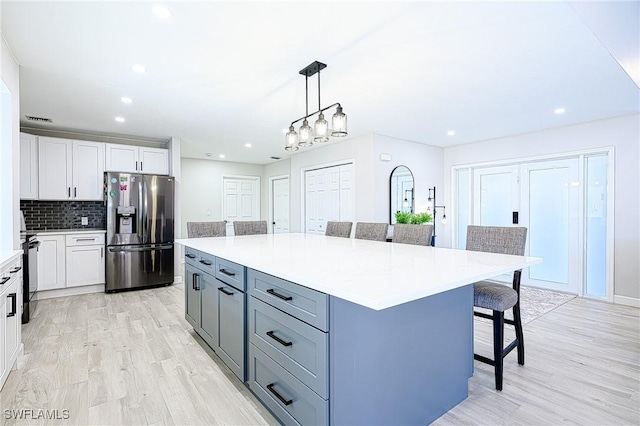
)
(341, 332)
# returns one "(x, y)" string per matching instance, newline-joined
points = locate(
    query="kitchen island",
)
(345, 331)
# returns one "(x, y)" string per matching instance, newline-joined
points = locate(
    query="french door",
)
(544, 197)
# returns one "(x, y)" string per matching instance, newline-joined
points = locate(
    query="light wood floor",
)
(131, 358)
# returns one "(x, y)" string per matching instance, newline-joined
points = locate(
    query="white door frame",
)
(303, 184)
(271, 179)
(610, 226)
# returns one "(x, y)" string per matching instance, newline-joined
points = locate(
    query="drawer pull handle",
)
(13, 305)
(273, 292)
(280, 397)
(85, 239)
(4, 280)
(228, 293)
(190, 256)
(206, 262)
(279, 340)
(16, 269)
(224, 271)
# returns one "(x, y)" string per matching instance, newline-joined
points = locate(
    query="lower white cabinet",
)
(70, 260)
(10, 315)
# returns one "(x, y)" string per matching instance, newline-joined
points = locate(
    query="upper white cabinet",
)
(70, 169)
(136, 159)
(28, 167)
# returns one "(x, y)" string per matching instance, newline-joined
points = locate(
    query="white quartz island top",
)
(374, 274)
(7, 256)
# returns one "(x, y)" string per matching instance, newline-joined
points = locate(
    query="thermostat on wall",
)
(385, 157)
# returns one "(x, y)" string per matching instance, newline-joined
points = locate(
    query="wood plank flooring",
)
(131, 358)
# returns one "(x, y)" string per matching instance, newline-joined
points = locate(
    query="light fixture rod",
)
(319, 107)
(306, 91)
(315, 112)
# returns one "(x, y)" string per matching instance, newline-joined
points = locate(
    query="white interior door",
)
(241, 200)
(329, 196)
(280, 205)
(495, 195)
(550, 194)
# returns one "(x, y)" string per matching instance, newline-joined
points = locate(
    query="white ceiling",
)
(222, 74)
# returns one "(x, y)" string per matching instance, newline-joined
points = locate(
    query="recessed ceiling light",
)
(208, 154)
(559, 111)
(120, 119)
(451, 133)
(126, 100)
(161, 11)
(221, 155)
(248, 145)
(139, 69)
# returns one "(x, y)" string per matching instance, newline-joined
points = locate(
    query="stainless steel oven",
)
(29, 276)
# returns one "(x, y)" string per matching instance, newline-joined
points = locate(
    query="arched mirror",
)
(400, 192)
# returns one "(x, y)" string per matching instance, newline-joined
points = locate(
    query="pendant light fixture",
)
(320, 131)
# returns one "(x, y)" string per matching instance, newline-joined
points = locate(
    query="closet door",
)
(329, 196)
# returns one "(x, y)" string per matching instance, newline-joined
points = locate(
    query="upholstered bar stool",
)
(206, 229)
(371, 231)
(338, 229)
(412, 234)
(496, 296)
(250, 227)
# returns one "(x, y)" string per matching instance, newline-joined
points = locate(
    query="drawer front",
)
(84, 239)
(191, 256)
(308, 305)
(11, 274)
(288, 398)
(295, 345)
(206, 262)
(231, 273)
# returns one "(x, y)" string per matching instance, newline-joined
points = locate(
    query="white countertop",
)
(71, 231)
(374, 274)
(8, 256)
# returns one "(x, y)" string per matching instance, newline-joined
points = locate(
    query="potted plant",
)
(403, 217)
(420, 218)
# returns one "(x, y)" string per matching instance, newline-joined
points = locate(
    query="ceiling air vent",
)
(275, 158)
(38, 119)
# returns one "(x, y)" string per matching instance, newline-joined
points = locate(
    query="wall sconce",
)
(320, 131)
(432, 207)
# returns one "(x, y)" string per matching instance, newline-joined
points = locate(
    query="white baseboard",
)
(177, 279)
(628, 301)
(70, 291)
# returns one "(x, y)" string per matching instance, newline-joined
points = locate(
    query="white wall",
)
(175, 171)
(426, 164)
(623, 133)
(10, 151)
(201, 188)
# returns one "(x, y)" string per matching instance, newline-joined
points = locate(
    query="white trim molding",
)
(627, 301)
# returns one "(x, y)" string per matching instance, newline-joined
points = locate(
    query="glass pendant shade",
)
(321, 129)
(444, 219)
(339, 123)
(306, 134)
(291, 140)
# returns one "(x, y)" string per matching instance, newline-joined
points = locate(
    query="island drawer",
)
(295, 345)
(301, 302)
(10, 274)
(206, 262)
(289, 399)
(230, 273)
(191, 256)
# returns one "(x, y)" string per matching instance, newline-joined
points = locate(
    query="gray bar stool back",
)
(338, 229)
(371, 231)
(496, 296)
(250, 227)
(412, 234)
(206, 229)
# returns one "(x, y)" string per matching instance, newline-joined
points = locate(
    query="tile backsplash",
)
(44, 215)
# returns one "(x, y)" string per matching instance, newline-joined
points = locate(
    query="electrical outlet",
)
(84, 220)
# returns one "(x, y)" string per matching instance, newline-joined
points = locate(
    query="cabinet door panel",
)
(51, 262)
(231, 328)
(209, 309)
(54, 158)
(3, 332)
(154, 161)
(13, 323)
(85, 265)
(28, 167)
(192, 297)
(121, 158)
(88, 170)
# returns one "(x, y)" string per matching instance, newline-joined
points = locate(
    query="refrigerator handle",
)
(140, 210)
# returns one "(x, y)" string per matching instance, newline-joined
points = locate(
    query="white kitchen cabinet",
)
(136, 159)
(51, 262)
(10, 314)
(84, 259)
(28, 167)
(70, 169)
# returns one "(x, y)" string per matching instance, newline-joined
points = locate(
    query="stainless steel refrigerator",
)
(139, 230)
